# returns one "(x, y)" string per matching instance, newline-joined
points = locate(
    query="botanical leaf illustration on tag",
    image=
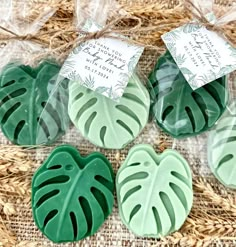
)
(72, 195)
(69, 69)
(89, 82)
(172, 36)
(204, 51)
(133, 61)
(154, 191)
(233, 51)
(181, 58)
(190, 28)
(100, 63)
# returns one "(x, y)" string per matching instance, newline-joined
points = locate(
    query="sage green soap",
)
(104, 122)
(222, 148)
(154, 191)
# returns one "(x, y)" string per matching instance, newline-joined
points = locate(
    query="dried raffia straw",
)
(207, 191)
(16, 185)
(15, 175)
(28, 244)
(221, 30)
(15, 179)
(115, 31)
(211, 227)
(7, 238)
(186, 240)
(154, 15)
(155, 22)
(13, 160)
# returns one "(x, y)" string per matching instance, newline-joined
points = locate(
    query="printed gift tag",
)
(103, 65)
(202, 55)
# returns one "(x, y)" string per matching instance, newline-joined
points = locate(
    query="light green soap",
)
(154, 191)
(106, 123)
(222, 148)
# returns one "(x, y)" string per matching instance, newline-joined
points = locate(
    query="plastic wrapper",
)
(200, 122)
(26, 82)
(21, 19)
(98, 10)
(98, 113)
(202, 149)
(181, 111)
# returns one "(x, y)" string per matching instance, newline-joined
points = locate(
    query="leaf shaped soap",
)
(154, 191)
(23, 96)
(107, 123)
(71, 195)
(178, 109)
(222, 148)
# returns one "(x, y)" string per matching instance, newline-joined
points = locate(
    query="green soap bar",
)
(222, 148)
(107, 123)
(24, 92)
(154, 191)
(72, 195)
(179, 110)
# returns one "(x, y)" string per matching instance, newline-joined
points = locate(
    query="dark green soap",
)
(72, 195)
(24, 92)
(179, 110)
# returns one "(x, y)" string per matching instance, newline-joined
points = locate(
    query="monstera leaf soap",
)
(24, 92)
(222, 148)
(72, 195)
(107, 123)
(154, 191)
(179, 110)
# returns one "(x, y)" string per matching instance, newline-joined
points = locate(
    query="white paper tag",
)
(104, 65)
(202, 55)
